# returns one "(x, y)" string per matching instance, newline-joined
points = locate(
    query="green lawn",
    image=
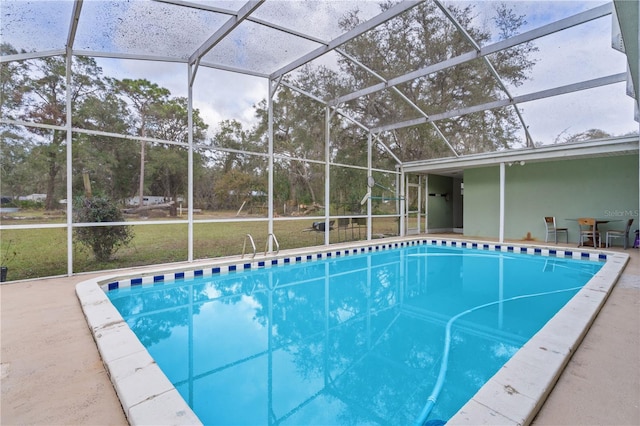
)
(43, 252)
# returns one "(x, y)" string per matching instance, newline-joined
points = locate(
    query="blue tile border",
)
(334, 254)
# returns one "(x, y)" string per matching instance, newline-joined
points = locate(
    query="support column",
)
(502, 183)
(369, 173)
(271, 92)
(69, 120)
(426, 203)
(404, 216)
(327, 174)
(190, 78)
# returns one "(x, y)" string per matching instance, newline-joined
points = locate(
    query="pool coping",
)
(512, 396)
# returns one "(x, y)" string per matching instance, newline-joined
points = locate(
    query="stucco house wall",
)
(605, 187)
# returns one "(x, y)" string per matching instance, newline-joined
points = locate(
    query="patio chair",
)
(616, 233)
(588, 232)
(550, 225)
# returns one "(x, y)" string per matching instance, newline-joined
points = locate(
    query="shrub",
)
(30, 205)
(103, 240)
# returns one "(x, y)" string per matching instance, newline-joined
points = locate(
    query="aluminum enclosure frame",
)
(274, 80)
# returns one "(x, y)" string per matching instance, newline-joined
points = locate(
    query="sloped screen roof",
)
(574, 81)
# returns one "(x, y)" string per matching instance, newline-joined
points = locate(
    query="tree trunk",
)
(50, 202)
(313, 194)
(141, 186)
(54, 168)
(143, 143)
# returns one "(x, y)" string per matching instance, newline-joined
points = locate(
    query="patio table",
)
(599, 221)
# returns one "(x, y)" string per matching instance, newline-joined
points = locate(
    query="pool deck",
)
(51, 371)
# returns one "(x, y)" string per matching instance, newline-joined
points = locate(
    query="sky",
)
(218, 95)
(580, 53)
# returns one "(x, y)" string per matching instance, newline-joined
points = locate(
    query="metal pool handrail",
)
(244, 245)
(275, 240)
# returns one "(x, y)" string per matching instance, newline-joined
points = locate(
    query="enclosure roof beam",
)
(135, 56)
(390, 13)
(73, 26)
(389, 151)
(273, 86)
(554, 27)
(249, 18)
(32, 55)
(381, 78)
(403, 96)
(225, 29)
(489, 65)
(193, 72)
(580, 18)
(90, 132)
(139, 57)
(304, 92)
(561, 90)
(233, 69)
(324, 103)
(207, 7)
(32, 124)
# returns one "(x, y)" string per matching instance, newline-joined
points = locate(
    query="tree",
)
(104, 241)
(587, 135)
(168, 163)
(168, 120)
(15, 165)
(13, 77)
(298, 135)
(236, 176)
(143, 96)
(416, 39)
(111, 162)
(421, 37)
(35, 90)
(43, 100)
(232, 137)
(156, 115)
(14, 146)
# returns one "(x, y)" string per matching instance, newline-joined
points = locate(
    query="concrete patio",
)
(52, 372)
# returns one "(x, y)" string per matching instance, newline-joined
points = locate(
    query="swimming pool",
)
(375, 337)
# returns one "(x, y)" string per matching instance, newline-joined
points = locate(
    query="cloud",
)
(218, 95)
(223, 95)
(576, 54)
(578, 112)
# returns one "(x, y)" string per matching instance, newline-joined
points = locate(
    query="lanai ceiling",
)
(582, 78)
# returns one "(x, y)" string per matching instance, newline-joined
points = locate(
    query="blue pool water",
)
(400, 336)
